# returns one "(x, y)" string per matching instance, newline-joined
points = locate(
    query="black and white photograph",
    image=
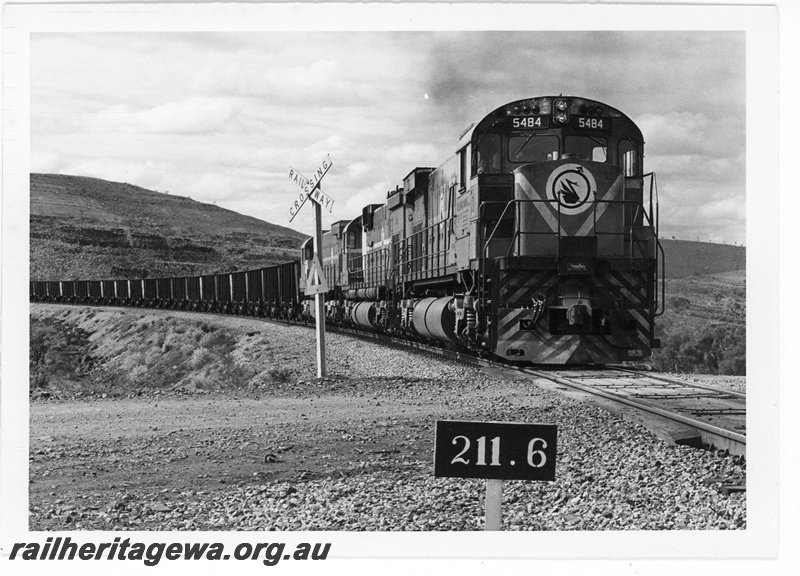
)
(310, 284)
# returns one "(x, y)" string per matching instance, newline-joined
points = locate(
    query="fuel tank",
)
(433, 318)
(373, 293)
(364, 314)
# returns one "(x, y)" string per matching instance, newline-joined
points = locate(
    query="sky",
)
(221, 117)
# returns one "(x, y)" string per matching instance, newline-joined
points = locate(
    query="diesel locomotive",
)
(531, 243)
(535, 242)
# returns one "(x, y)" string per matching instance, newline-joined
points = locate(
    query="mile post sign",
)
(495, 451)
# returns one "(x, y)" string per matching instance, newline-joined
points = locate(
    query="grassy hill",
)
(87, 228)
(684, 258)
(703, 328)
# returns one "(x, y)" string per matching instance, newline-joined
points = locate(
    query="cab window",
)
(592, 148)
(487, 154)
(463, 174)
(354, 238)
(533, 148)
(629, 158)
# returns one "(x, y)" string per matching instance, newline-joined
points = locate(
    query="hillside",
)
(87, 228)
(704, 327)
(684, 258)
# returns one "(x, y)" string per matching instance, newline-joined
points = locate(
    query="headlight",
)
(561, 118)
(561, 105)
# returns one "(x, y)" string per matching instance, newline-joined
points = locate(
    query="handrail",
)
(427, 262)
(658, 312)
(653, 188)
(637, 206)
(372, 267)
(512, 203)
(659, 247)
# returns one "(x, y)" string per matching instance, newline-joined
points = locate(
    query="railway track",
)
(684, 412)
(701, 415)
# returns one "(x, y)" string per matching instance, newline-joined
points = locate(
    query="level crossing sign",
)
(311, 188)
(315, 278)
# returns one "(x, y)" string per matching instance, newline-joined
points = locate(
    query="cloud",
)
(192, 116)
(222, 116)
(335, 145)
(414, 154)
(147, 174)
(320, 70)
(676, 132)
(729, 208)
(45, 161)
(293, 82)
(358, 170)
(213, 186)
(374, 194)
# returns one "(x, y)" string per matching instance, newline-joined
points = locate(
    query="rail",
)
(718, 436)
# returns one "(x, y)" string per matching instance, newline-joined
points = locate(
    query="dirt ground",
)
(205, 442)
(97, 431)
(163, 420)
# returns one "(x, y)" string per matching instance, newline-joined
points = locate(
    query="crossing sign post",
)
(315, 281)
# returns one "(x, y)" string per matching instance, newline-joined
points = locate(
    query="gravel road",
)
(285, 451)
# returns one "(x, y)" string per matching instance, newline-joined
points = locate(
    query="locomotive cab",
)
(564, 244)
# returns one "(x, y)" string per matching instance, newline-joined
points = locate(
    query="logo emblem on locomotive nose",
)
(572, 186)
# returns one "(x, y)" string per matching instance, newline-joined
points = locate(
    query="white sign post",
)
(494, 500)
(315, 282)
